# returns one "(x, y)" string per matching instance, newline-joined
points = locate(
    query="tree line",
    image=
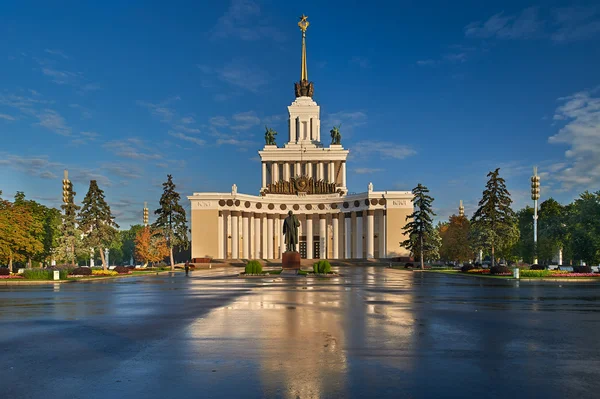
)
(498, 232)
(36, 235)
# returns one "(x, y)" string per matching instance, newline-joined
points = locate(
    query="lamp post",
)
(535, 196)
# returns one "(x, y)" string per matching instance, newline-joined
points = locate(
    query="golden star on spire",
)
(303, 24)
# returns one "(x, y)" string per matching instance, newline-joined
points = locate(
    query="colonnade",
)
(341, 235)
(273, 172)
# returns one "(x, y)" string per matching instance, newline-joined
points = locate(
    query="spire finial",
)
(303, 25)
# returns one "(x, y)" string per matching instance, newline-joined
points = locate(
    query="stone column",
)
(370, 234)
(382, 236)
(309, 169)
(226, 232)
(220, 238)
(282, 240)
(298, 171)
(245, 235)
(358, 236)
(264, 236)
(235, 235)
(348, 235)
(331, 172)
(264, 174)
(286, 171)
(292, 130)
(270, 219)
(309, 236)
(257, 235)
(274, 172)
(323, 235)
(343, 174)
(336, 233)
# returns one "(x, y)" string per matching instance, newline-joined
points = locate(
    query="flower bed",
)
(555, 273)
(10, 277)
(104, 273)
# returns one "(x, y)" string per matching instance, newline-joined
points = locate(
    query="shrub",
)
(253, 267)
(104, 273)
(409, 265)
(322, 267)
(477, 265)
(465, 268)
(42, 274)
(500, 270)
(582, 269)
(122, 269)
(536, 273)
(63, 266)
(4, 271)
(537, 267)
(82, 271)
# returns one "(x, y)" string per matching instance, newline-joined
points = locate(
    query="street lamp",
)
(535, 196)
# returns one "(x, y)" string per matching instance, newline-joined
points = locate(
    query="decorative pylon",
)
(66, 184)
(145, 214)
(535, 196)
(461, 209)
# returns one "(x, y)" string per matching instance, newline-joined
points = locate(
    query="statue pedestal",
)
(291, 260)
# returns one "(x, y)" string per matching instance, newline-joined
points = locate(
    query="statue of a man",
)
(290, 229)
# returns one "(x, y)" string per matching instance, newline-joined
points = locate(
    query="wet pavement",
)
(373, 332)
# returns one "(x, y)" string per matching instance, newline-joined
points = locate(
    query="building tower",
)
(145, 214)
(461, 209)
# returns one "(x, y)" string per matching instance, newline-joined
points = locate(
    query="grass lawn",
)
(274, 271)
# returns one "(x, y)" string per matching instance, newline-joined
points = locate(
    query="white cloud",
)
(576, 23)
(244, 20)
(7, 117)
(367, 171)
(245, 120)
(122, 170)
(188, 120)
(581, 133)
(346, 119)
(160, 110)
(382, 149)
(131, 148)
(426, 62)
(524, 26)
(38, 166)
(240, 74)
(52, 120)
(57, 52)
(184, 137)
(220, 121)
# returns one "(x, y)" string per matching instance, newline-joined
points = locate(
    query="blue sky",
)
(433, 92)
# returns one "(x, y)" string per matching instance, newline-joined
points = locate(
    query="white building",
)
(309, 178)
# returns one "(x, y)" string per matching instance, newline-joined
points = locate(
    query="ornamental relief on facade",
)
(301, 185)
(202, 204)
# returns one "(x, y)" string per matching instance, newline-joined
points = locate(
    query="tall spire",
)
(303, 24)
(461, 209)
(304, 88)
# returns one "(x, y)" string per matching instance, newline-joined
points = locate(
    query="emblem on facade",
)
(300, 185)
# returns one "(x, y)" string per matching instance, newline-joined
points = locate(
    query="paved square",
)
(371, 333)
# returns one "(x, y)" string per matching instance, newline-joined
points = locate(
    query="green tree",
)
(552, 229)
(494, 223)
(37, 229)
(455, 240)
(584, 227)
(128, 241)
(97, 221)
(524, 247)
(69, 244)
(52, 226)
(17, 232)
(171, 219)
(423, 239)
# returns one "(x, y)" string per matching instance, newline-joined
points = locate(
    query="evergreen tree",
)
(423, 239)
(494, 223)
(171, 218)
(69, 242)
(97, 222)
